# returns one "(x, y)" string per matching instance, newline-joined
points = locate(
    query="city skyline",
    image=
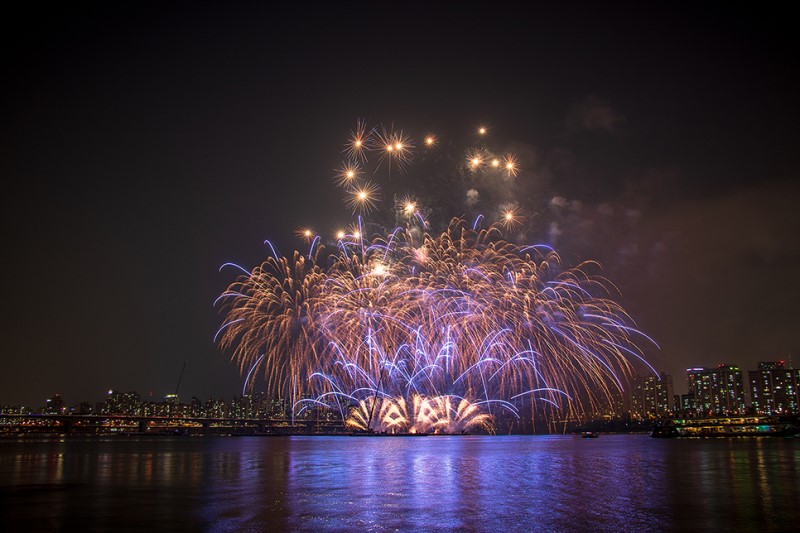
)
(149, 147)
(648, 396)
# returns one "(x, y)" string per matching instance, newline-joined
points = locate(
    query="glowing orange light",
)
(511, 165)
(512, 218)
(305, 233)
(364, 198)
(347, 174)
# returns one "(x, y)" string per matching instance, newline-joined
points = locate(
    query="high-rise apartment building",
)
(652, 396)
(717, 391)
(774, 388)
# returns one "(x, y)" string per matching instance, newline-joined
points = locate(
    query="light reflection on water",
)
(472, 483)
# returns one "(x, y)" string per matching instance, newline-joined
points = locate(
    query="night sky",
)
(143, 146)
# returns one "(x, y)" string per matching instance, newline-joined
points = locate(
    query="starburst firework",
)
(428, 331)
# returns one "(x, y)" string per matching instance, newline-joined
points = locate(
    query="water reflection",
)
(616, 483)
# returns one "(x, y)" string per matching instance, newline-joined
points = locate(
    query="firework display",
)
(405, 328)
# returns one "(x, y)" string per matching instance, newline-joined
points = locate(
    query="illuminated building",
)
(688, 405)
(652, 396)
(172, 399)
(774, 388)
(122, 403)
(611, 408)
(54, 405)
(717, 391)
(14, 410)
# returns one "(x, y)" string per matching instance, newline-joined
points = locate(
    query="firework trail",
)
(411, 330)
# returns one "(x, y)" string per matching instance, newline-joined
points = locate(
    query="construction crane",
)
(180, 378)
(172, 399)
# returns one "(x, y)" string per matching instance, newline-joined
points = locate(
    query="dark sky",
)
(144, 145)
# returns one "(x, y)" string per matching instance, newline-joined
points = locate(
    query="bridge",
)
(162, 425)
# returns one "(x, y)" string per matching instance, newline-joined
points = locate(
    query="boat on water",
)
(589, 434)
(728, 426)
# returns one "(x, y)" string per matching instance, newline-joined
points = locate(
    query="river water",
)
(434, 483)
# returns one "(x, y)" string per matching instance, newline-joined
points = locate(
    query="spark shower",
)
(397, 327)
